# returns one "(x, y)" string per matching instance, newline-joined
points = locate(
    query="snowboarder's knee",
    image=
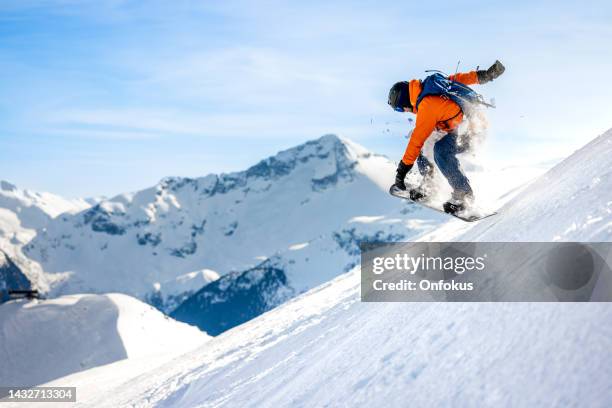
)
(440, 155)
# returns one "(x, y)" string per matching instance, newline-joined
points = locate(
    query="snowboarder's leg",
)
(425, 166)
(445, 156)
(425, 189)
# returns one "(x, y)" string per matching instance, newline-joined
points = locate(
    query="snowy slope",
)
(43, 340)
(141, 243)
(327, 348)
(573, 201)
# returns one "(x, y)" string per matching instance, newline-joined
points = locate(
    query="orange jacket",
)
(435, 113)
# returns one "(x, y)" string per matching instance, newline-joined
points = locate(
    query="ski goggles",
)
(398, 109)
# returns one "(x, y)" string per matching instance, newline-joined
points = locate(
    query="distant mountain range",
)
(277, 229)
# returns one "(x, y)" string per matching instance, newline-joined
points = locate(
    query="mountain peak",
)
(329, 139)
(6, 186)
(327, 148)
(331, 142)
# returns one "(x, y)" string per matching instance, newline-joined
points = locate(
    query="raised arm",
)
(480, 76)
(468, 78)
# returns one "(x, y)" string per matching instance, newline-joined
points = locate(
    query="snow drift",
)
(43, 340)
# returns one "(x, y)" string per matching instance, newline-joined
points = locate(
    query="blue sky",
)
(106, 96)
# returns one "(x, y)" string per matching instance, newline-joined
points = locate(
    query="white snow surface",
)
(329, 349)
(571, 202)
(41, 340)
(326, 348)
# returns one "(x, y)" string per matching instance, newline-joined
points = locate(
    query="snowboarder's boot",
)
(460, 201)
(417, 195)
(453, 208)
(426, 188)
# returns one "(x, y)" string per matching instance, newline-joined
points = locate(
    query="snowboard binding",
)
(452, 208)
(417, 195)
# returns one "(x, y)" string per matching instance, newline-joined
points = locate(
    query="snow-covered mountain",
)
(310, 203)
(46, 339)
(283, 226)
(22, 214)
(240, 296)
(34, 209)
(326, 348)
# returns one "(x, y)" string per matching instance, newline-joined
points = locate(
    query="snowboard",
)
(468, 215)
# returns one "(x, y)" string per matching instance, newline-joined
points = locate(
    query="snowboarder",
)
(439, 103)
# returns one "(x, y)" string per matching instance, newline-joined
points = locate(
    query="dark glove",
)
(400, 175)
(490, 74)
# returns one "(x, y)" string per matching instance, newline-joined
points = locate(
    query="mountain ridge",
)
(141, 241)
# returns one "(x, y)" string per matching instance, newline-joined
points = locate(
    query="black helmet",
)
(399, 98)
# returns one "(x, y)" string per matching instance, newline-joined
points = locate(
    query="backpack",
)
(462, 95)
